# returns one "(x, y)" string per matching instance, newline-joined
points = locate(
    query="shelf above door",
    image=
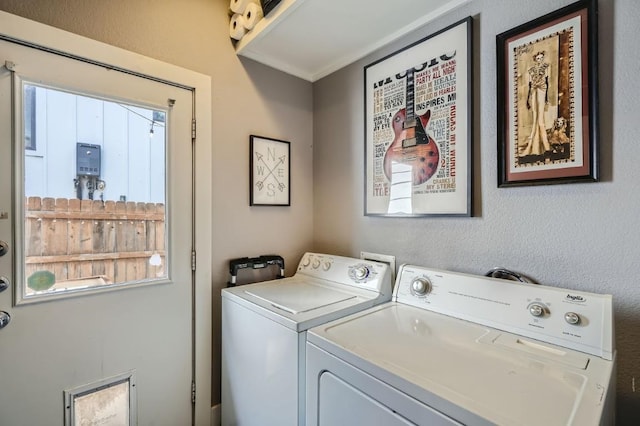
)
(313, 38)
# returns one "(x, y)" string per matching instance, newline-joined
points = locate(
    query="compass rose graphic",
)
(270, 178)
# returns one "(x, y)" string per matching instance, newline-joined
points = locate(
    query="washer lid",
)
(295, 296)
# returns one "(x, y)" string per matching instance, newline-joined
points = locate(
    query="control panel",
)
(573, 319)
(366, 274)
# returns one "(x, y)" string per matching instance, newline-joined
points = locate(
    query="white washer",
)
(453, 348)
(264, 333)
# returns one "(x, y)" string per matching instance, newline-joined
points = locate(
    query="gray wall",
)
(248, 98)
(580, 236)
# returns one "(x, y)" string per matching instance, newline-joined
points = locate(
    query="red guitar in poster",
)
(411, 144)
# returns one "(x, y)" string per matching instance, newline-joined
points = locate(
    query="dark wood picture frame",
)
(269, 172)
(547, 99)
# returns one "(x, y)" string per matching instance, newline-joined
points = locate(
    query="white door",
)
(96, 213)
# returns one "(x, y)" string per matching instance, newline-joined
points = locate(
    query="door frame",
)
(31, 32)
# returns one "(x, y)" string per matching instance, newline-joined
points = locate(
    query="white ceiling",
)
(313, 38)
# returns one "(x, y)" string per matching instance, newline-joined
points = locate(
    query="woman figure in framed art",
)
(538, 102)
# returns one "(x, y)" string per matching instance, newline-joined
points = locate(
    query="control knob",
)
(420, 286)
(537, 310)
(316, 263)
(572, 318)
(306, 261)
(361, 272)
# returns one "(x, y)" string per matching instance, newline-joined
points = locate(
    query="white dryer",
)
(264, 333)
(457, 349)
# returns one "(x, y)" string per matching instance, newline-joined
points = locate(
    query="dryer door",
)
(338, 393)
(342, 403)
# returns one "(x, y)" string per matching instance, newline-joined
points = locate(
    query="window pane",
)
(29, 117)
(94, 193)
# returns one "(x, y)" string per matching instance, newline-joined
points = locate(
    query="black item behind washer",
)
(259, 262)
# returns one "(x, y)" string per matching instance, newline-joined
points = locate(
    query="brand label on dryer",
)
(576, 298)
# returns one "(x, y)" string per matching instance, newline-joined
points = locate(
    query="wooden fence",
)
(79, 239)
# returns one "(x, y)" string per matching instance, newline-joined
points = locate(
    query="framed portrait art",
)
(418, 113)
(269, 171)
(547, 99)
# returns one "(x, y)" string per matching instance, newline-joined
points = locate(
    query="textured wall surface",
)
(580, 236)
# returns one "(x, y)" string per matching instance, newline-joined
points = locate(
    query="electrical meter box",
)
(87, 159)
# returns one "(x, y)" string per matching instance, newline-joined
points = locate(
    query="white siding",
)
(132, 164)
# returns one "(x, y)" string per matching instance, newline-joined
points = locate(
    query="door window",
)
(94, 193)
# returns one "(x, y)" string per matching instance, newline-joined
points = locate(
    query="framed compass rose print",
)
(270, 178)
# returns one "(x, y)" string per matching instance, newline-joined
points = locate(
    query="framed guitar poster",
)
(269, 176)
(418, 114)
